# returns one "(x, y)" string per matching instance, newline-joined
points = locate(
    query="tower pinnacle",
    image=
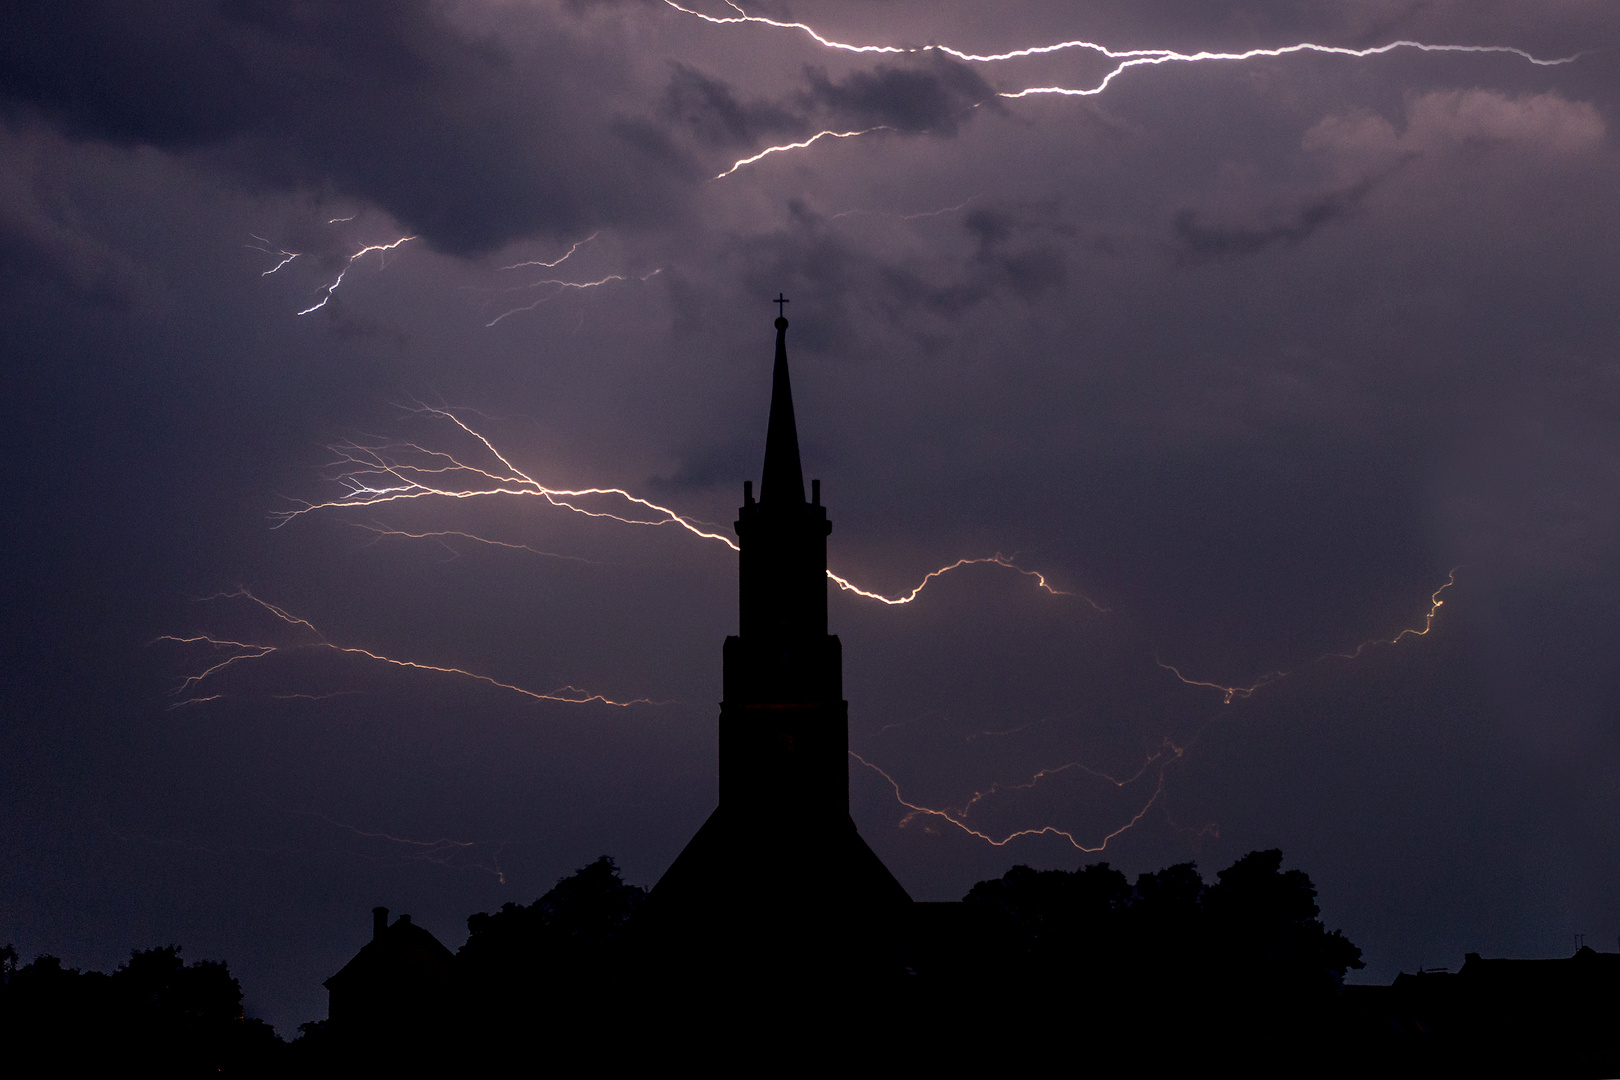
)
(783, 476)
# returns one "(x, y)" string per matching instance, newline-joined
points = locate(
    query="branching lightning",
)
(1168, 753)
(1229, 693)
(382, 249)
(275, 253)
(997, 559)
(241, 652)
(1124, 59)
(958, 817)
(379, 472)
(562, 286)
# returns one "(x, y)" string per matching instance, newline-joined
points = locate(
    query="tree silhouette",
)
(154, 1010)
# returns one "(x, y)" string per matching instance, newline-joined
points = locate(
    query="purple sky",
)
(1252, 354)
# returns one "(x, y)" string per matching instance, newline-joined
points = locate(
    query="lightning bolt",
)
(1124, 60)
(798, 145)
(241, 652)
(557, 262)
(997, 559)
(386, 471)
(1139, 58)
(1132, 55)
(442, 535)
(367, 250)
(903, 217)
(958, 817)
(561, 287)
(1229, 693)
(277, 253)
(1159, 761)
(440, 852)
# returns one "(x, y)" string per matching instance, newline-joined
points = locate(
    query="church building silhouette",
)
(778, 874)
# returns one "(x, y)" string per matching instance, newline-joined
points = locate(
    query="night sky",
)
(1247, 357)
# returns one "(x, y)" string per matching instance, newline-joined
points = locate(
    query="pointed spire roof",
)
(783, 477)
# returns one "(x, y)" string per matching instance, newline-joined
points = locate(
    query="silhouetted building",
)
(1529, 1017)
(778, 877)
(400, 978)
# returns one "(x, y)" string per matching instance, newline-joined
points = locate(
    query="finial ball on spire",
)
(781, 323)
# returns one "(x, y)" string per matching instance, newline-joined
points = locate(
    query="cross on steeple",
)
(779, 301)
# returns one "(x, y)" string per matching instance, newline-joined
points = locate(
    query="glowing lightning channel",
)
(1132, 56)
(243, 652)
(558, 262)
(441, 852)
(563, 285)
(799, 145)
(278, 253)
(368, 249)
(1229, 693)
(957, 817)
(442, 535)
(997, 559)
(1124, 60)
(373, 474)
(1139, 58)
(1435, 604)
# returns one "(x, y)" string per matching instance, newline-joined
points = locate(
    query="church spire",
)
(783, 477)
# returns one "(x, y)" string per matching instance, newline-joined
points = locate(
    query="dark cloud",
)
(707, 109)
(934, 96)
(1232, 241)
(469, 139)
(1063, 332)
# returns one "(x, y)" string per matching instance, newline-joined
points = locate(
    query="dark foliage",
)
(154, 1010)
(562, 956)
(1243, 961)
(579, 921)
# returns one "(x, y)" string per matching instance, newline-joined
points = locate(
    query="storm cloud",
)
(1246, 359)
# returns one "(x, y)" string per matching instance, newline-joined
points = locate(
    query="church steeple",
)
(783, 477)
(782, 582)
(778, 870)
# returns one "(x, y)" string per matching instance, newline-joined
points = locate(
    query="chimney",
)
(379, 922)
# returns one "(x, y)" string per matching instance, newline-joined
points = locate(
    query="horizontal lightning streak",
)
(1152, 55)
(569, 694)
(1125, 59)
(387, 472)
(439, 852)
(561, 286)
(1142, 58)
(1231, 692)
(1044, 830)
(442, 534)
(997, 560)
